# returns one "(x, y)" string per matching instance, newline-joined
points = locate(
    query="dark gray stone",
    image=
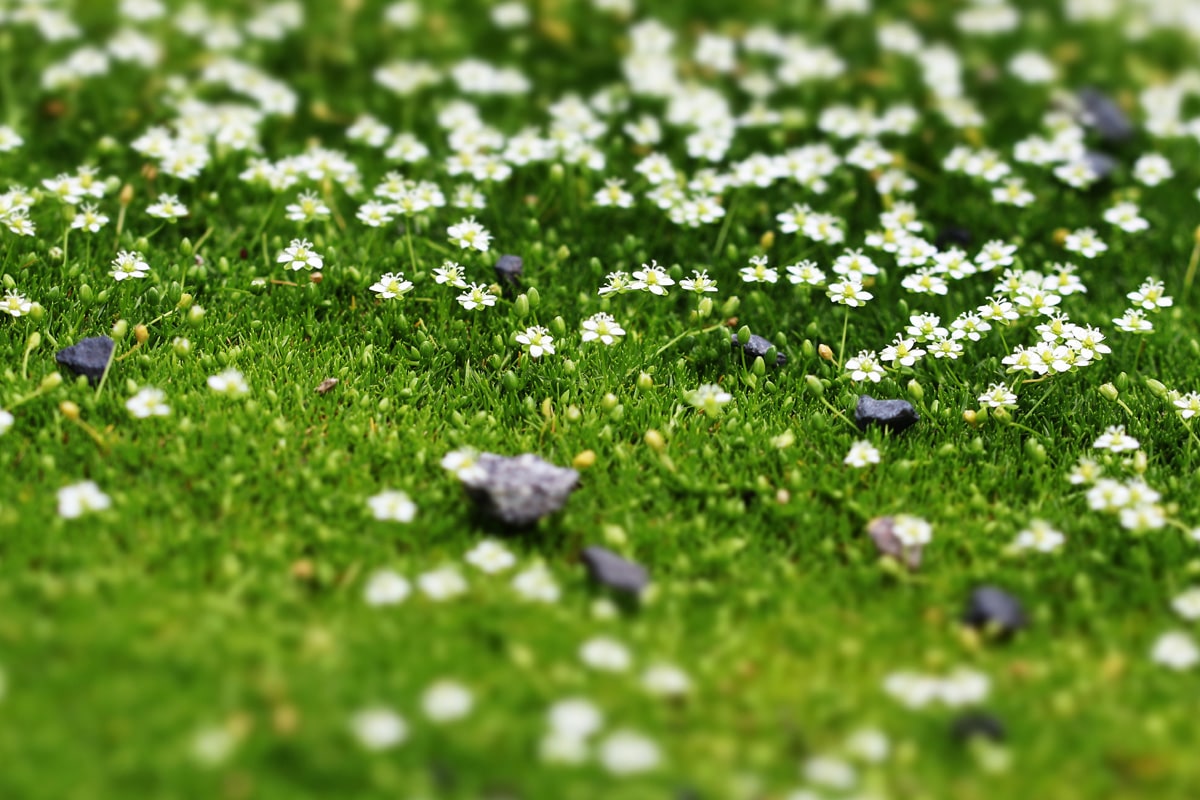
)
(895, 415)
(519, 490)
(994, 611)
(953, 236)
(89, 357)
(1101, 163)
(757, 347)
(609, 569)
(508, 272)
(883, 534)
(1107, 118)
(975, 724)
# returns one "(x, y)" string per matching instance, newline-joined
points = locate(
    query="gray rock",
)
(757, 346)
(609, 569)
(883, 534)
(519, 490)
(508, 272)
(1101, 163)
(89, 357)
(895, 415)
(1107, 118)
(994, 611)
(975, 724)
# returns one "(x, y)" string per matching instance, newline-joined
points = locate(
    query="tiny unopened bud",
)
(1140, 462)
(655, 440)
(126, 195)
(316, 277)
(86, 293)
(743, 335)
(185, 247)
(767, 241)
(808, 348)
(532, 297)
(556, 172)
(559, 326)
(730, 306)
(185, 301)
(119, 329)
(195, 315)
(759, 367)
(521, 306)
(1123, 381)
(51, 381)
(645, 381)
(970, 417)
(704, 308)
(1156, 387)
(69, 410)
(37, 311)
(563, 253)
(1109, 391)
(584, 460)
(915, 390)
(181, 346)
(1036, 451)
(1000, 414)
(1060, 236)
(814, 385)
(825, 352)
(608, 402)
(141, 333)
(35, 339)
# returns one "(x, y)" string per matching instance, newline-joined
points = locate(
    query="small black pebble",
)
(994, 610)
(757, 346)
(977, 723)
(609, 569)
(1105, 116)
(508, 272)
(89, 357)
(953, 235)
(895, 415)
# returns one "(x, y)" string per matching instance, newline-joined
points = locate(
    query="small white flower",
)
(666, 680)
(869, 745)
(468, 233)
(830, 772)
(168, 207)
(442, 584)
(602, 327)
(6, 421)
(653, 279)
(536, 583)
(1115, 440)
(392, 506)
(862, 454)
(378, 728)
(386, 588)
(464, 463)
(490, 556)
(1040, 536)
(129, 265)
(709, 398)
(1187, 604)
(605, 654)
(536, 341)
(447, 701)
(230, 383)
(477, 296)
(625, 753)
(391, 285)
(78, 499)
(1175, 650)
(575, 717)
(149, 402)
(912, 531)
(299, 255)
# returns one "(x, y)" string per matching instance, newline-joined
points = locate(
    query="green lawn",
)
(207, 623)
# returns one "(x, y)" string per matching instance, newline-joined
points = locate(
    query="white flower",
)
(575, 717)
(869, 744)
(865, 366)
(446, 701)
(490, 556)
(1187, 604)
(442, 584)
(392, 506)
(6, 421)
(709, 398)
(537, 341)
(386, 588)
(391, 285)
(129, 265)
(1143, 517)
(998, 395)
(378, 728)
(476, 296)
(862, 454)
(230, 382)
(1115, 440)
(468, 233)
(1175, 650)
(464, 463)
(450, 273)
(653, 279)
(536, 583)
(561, 748)
(1040, 536)
(606, 654)
(1151, 295)
(759, 272)
(848, 293)
(89, 219)
(625, 753)
(830, 772)
(601, 327)
(168, 207)
(912, 531)
(1085, 242)
(699, 282)
(307, 208)
(299, 255)
(76, 500)
(666, 680)
(149, 402)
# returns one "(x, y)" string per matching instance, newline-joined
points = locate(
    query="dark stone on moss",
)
(894, 415)
(89, 357)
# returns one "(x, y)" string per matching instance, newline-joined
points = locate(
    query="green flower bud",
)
(759, 367)
(559, 326)
(915, 390)
(86, 294)
(51, 381)
(181, 346)
(195, 315)
(1123, 381)
(608, 402)
(645, 381)
(704, 308)
(730, 306)
(521, 306)
(1156, 387)
(533, 297)
(814, 385)
(510, 381)
(743, 335)
(119, 329)
(1109, 391)
(808, 349)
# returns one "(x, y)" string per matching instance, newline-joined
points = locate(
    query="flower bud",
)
(556, 172)
(185, 247)
(645, 381)
(141, 333)
(1000, 414)
(730, 306)
(1156, 387)
(970, 417)
(1123, 381)
(915, 390)
(767, 241)
(584, 460)
(126, 195)
(181, 346)
(559, 326)
(808, 348)
(1140, 462)
(608, 402)
(1109, 391)
(759, 367)
(704, 308)
(1035, 450)
(510, 381)
(743, 335)
(119, 329)
(34, 340)
(51, 381)
(532, 297)
(86, 293)
(69, 410)
(814, 385)
(195, 315)
(825, 352)
(37, 311)
(521, 306)
(655, 440)
(185, 301)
